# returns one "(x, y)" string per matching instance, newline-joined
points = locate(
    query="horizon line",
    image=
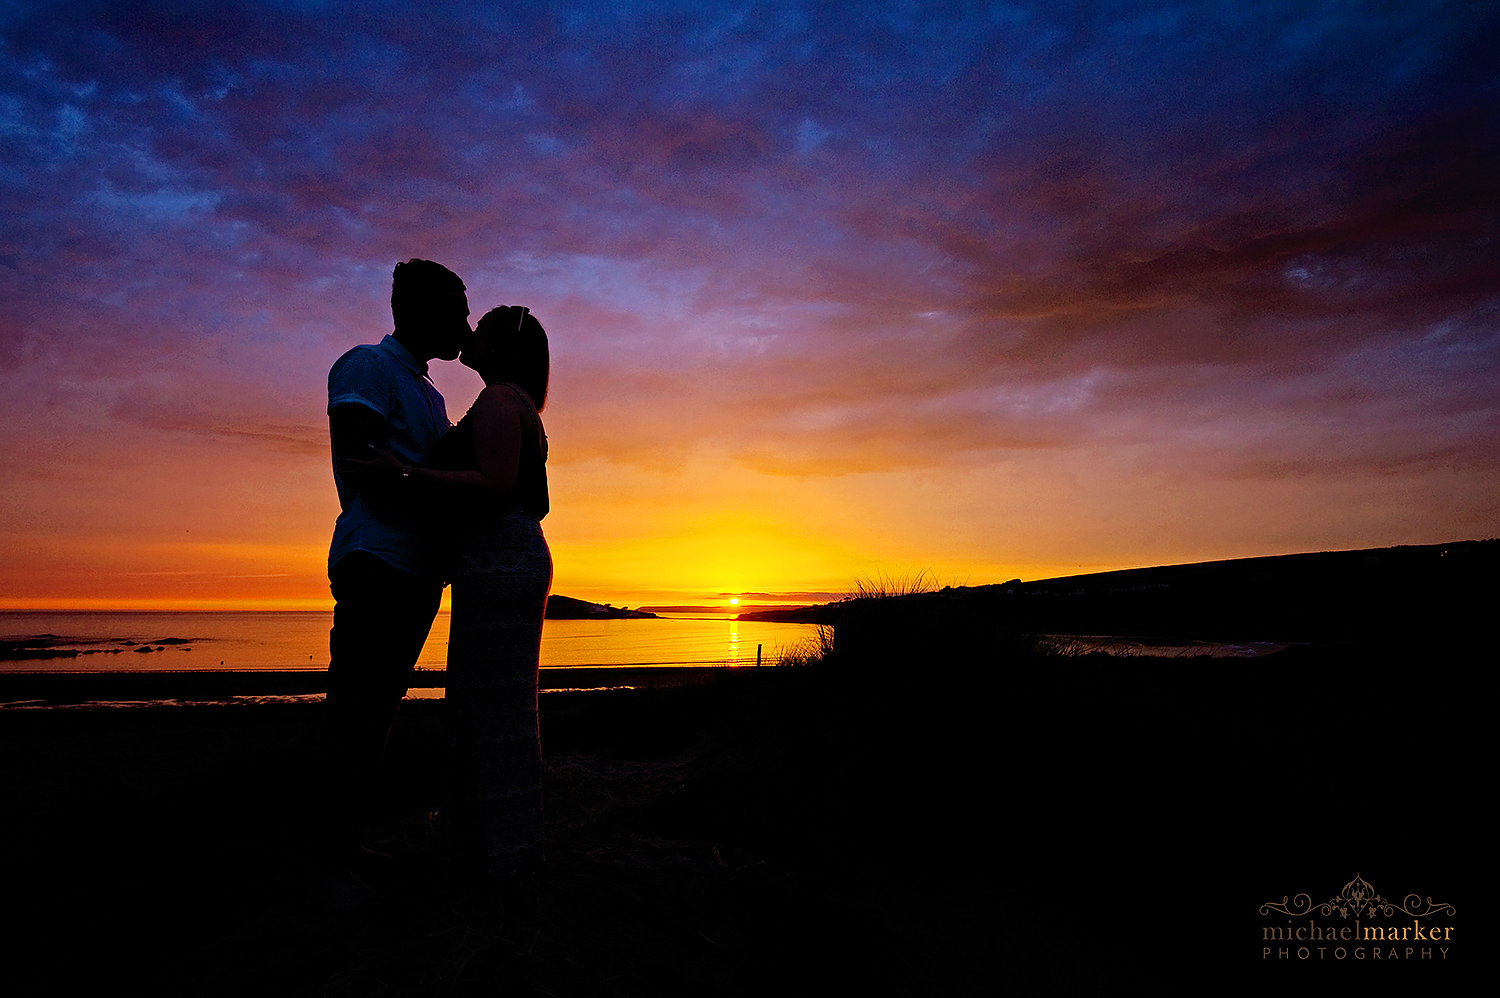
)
(325, 604)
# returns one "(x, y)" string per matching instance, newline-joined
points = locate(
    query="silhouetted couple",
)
(423, 502)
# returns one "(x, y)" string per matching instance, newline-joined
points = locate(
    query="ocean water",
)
(114, 641)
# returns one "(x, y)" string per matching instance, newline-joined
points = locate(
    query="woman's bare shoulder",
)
(497, 403)
(500, 395)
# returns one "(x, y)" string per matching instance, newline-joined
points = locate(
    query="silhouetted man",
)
(382, 566)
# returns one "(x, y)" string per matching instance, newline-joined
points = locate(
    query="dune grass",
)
(880, 585)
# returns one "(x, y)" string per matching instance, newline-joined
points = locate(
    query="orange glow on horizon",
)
(629, 548)
(682, 571)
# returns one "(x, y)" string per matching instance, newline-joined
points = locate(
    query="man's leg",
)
(381, 619)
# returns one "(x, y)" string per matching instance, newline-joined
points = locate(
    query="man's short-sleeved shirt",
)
(385, 378)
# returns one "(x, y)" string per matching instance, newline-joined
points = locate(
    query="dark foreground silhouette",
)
(933, 811)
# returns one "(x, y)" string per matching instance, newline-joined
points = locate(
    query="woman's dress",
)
(501, 572)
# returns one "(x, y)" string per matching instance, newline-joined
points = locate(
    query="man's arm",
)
(354, 429)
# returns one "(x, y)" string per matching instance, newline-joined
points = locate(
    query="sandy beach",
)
(167, 847)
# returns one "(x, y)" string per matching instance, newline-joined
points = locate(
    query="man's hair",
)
(416, 285)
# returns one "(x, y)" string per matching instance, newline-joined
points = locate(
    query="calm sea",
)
(148, 640)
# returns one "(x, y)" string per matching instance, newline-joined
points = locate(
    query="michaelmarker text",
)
(1416, 932)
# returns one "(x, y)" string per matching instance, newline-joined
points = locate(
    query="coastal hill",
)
(568, 608)
(1332, 595)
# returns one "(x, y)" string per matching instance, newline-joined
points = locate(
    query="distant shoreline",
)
(1350, 563)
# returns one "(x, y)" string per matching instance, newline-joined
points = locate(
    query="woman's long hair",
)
(520, 355)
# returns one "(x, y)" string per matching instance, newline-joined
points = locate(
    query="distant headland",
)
(568, 608)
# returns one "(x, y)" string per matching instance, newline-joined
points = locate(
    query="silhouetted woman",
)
(489, 474)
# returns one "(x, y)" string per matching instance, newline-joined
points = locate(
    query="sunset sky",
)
(833, 290)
